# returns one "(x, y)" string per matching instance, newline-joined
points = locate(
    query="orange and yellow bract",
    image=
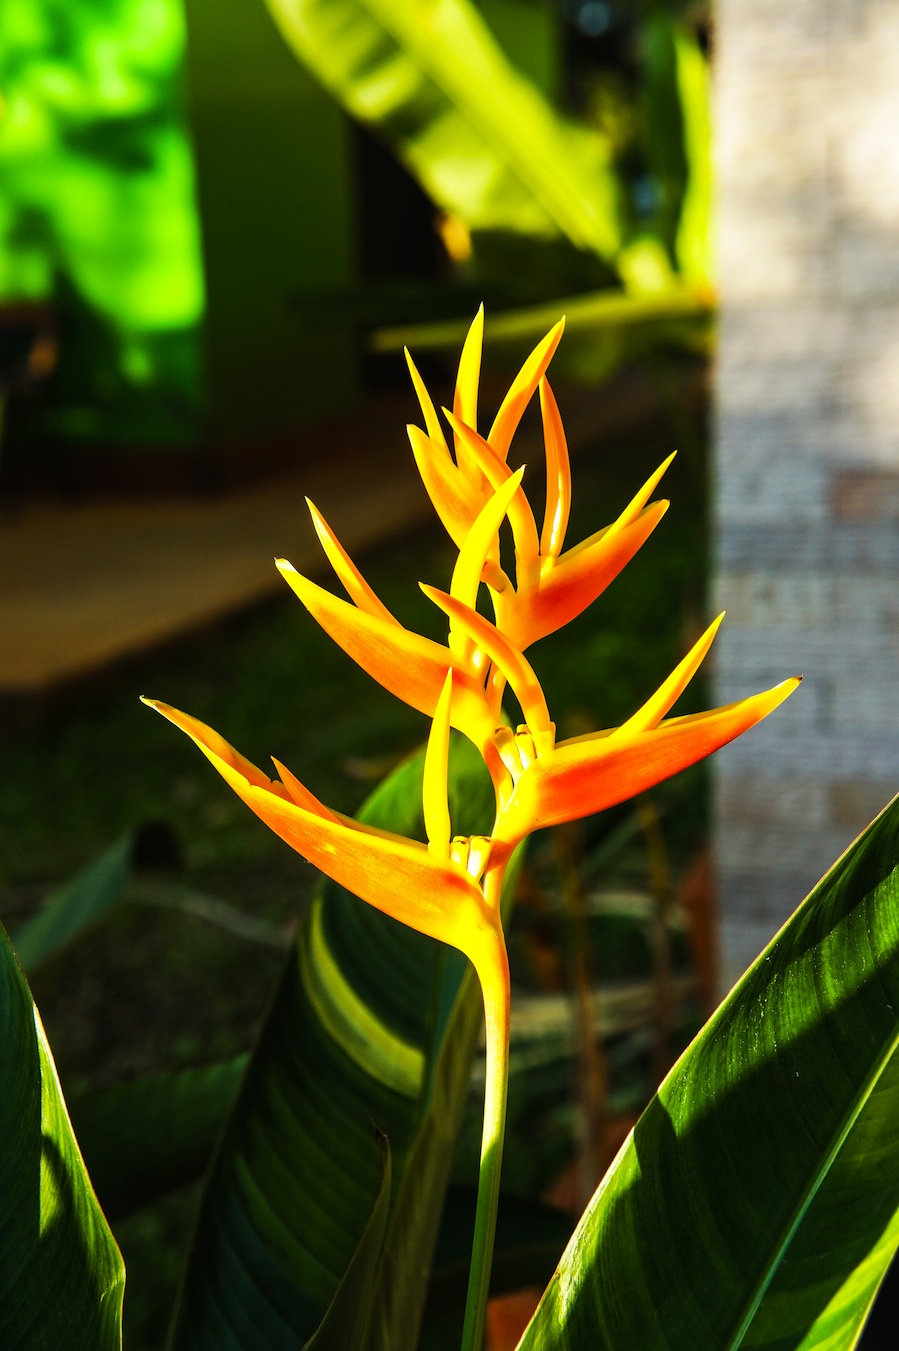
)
(450, 889)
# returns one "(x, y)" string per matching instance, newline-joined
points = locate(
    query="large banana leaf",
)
(145, 1138)
(372, 1031)
(756, 1203)
(61, 1275)
(428, 76)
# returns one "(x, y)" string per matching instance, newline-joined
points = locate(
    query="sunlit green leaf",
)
(429, 77)
(693, 245)
(756, 1203)
(583, 314)
(97, 176)
(61, 1275)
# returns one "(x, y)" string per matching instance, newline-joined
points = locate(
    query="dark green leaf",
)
(346, 1323)
(757, 1201)
(89, 897)
(664, 123)
(61, 1275)
(145, 1138)
(75, 907)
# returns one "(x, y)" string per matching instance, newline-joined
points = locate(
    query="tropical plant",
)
(756, 1201)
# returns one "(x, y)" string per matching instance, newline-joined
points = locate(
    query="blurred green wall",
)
(530, 33)
(274, 175)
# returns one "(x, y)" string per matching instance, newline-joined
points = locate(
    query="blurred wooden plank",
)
(85, 584)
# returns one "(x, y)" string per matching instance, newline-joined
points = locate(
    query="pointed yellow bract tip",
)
(284, 565)
(318, 521)
(435, 801)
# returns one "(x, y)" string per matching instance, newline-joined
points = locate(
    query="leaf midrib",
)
(799, 1214)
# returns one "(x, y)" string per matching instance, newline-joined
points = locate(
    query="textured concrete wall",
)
(807, 513)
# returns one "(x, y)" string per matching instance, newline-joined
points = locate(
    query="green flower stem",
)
(494, 977)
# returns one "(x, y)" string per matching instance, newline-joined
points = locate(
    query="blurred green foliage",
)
(561, 150)
(97, 198)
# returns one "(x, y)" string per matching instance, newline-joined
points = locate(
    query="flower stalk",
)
(496, 993)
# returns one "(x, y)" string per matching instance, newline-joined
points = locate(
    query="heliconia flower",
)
(552, 588)
(588, 774)
(411, 666)
(552, 782)
(434, 888)
(407, 664)
(459, 488)
(450, 888)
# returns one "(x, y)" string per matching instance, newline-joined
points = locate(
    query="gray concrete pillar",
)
(807, 440)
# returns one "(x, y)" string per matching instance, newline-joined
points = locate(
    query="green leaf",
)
(416, 1217)
(156, 1133)
(693, 245)
(373, 1025)
(61, 1274)
(117, 878)
(75, 907)
(346, 1323)
(663, 116)
(484, 144)
(590, 319)
(756, 1203)
(148, 1137)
